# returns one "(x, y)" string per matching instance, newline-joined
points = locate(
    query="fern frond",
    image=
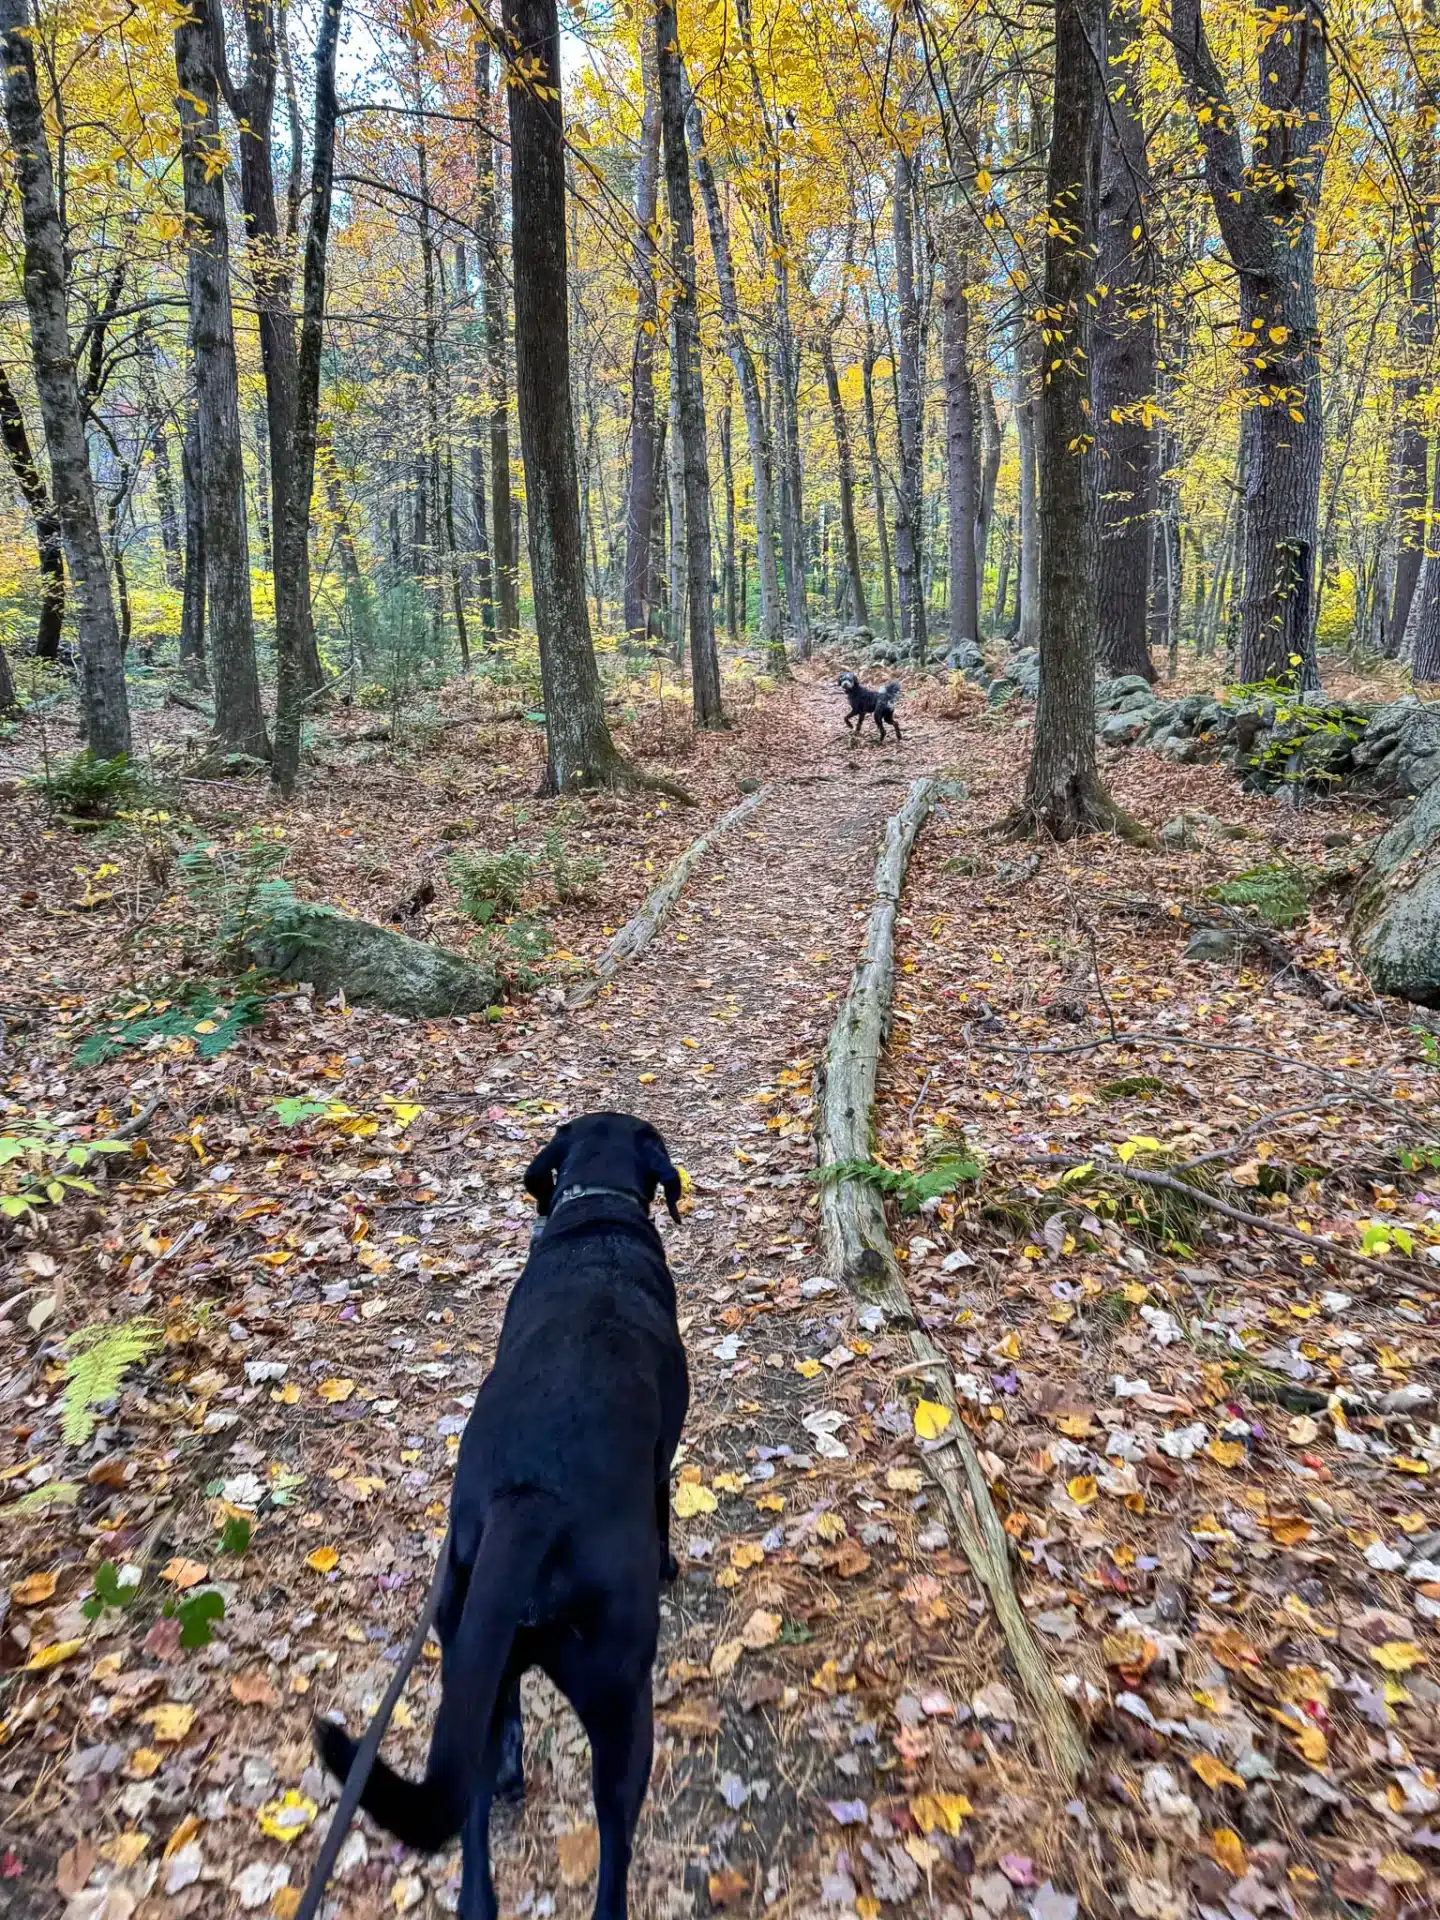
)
(99, 1358)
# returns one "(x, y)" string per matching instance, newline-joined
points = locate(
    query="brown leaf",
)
(695, 1720)
(183, 1573)
(77, 1864)
(254, 1688)
(33, 1591)
(579, 1855)
(726, 1888)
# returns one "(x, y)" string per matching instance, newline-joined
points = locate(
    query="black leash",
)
(369, 1747)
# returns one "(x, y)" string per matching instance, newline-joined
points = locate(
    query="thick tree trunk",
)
(727, 468)
(742, 360)
(1063, 794)
(910, 400)
(293, 529)
(239, 717)
(9, 699)
(253, 106)
(962, 490)
(49, 543)
(675, 489)
(640, 494)
(1265, 210)
(1413, 453)
(845, 469)
(685, 371)
(105, 708)
(580, 747)
(192, 601)
(506, 559)
(877, 482)
(1123, 373)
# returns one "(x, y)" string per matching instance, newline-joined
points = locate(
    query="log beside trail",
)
(858, 1251)
(637, 933)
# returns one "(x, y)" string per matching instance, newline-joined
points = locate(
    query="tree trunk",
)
(239, 716)
(992, 447)
(1123, 373)
(580, 747)
(253, 106)
(478, 516)
(675, 490)
(158, 431)
(748, 381)
(640, 495)
(1026, 632)
(49, 544)
(845, 468)
(9, 699)
(877, 482)
(727, 468)
(910, 400)
(192, 602)
(1265, 211)
(962, 490)
(506, 559)
(1000, 604)
(685, 371)
(105, 708)
(293, 529)
(1413, 453)
(1063, 794)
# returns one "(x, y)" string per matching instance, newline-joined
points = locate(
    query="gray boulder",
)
(1124, 692)
(373, 966)
(1399, 750)
(1214, 943)
(1023, 669)
(1121, 729)
(1395, 923)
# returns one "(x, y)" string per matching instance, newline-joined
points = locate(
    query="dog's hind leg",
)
(510, 1779)
(669, 1565)
(622, 1733)
(500, 1776)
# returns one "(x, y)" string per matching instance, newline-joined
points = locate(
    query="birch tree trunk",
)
(748, 381)
(640, 495)
(105, 707)
(962, 479)
(239, 716)
(580, 748)
(1123, 373)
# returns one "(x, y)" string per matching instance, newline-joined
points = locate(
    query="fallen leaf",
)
(726, 1887)
(254, 1689)
(931, 1419)
(1083, 1489)
(1313, 1745)
(46, 1657)
(761, 1630)
(904, 1479)
(1228, 1453)
(169, 1722)
(1214, 1772)
(286, 1819)
(943, 1810)
(691, 1498)
(182, 1836)
(34, 1590)
(323, 1560)
(1302, 1430)
(579, 1852)
(184, 1574)
(746, 1553)
(335, 1390)
(1397, 1656)
(1229, 1850)
(725, 1658)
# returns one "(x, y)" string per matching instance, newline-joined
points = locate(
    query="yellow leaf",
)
(1135, 1293)
(904, 1479)
(144, 1762)
(729, 1483)
(1076, 1426)
(285, 1903)
(761, 1630)
(286, 1819)
(34, 1590)
(944, 1810)
(286, 1396)
(1403, 1464)
(1229, 1453)
(323, 1560)
(169, 1722)
(1214, 1772)
(725, 1658)
(1397, 1656)
(808, 1369)
(1313, 1745)
(183, 1834)
(647, 1079)
(1229, 1850)
(184, 1573)
(931, 1419)
(335, 1390)
(1400, 1870)
(691, 1498)
(45, 1657)
(746, 1553)
(1082, 1489)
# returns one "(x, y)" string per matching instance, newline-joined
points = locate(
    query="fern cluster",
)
(97, 1360)
(911, 1190)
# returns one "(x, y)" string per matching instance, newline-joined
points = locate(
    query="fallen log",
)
(858, 1251)
(637, 933)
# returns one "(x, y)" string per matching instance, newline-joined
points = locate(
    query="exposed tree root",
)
(1082, 806)
(637, 933)
(857, 1249)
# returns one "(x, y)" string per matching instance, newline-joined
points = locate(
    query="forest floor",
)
(1234, 1576)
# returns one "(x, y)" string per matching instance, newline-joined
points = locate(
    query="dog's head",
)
(892, 690)
(848, 680)
(604, 1150)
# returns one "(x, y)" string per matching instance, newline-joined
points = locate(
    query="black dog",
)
(560, 1516)
(865, 700)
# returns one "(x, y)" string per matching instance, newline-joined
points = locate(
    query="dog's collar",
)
(585, 1193)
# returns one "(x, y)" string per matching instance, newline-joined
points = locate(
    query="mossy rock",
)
(1395, 921)
(373, 966)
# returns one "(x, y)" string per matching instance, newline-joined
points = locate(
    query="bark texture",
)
(192, 602)
(1265, 210)
(909, 403)
(504, 557)
(640, 494)
(49, 543)
(845, 471)
(239, 717)
(105, 706)
(1123, 371)
(580, 747)
(962, 490)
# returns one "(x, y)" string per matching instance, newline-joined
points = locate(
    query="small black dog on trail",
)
(865, 701)
(560, 1515)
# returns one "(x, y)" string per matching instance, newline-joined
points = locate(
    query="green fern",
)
(912, 1190)
(99, 1358)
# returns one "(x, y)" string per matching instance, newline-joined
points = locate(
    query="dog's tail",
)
(425, 1814)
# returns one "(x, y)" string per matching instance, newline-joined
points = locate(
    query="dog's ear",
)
(541, 1172)
(656, 1166)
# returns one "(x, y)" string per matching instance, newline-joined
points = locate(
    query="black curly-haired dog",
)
(865, 701)
(560, 1515)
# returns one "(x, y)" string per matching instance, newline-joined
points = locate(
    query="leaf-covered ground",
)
(1212, 1446)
